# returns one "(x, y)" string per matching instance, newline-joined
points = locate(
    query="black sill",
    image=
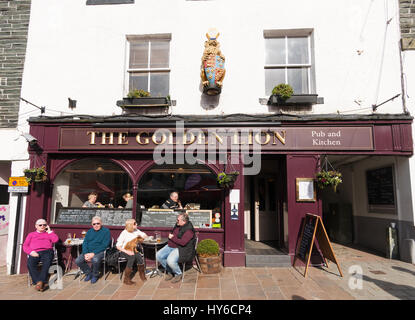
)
(295, 99)
(97, 2)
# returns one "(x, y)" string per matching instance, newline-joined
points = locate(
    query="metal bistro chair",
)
(104, 262)
(56, 280)
(122, 260)
(191, 260)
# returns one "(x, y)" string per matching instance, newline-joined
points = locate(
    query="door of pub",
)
(267, 210)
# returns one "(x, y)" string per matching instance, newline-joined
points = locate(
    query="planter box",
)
(143, 102)
(295, 99)
(210, 264)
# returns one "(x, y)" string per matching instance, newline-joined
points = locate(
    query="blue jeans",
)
(96, 264)
(168, 258)
(46, 257)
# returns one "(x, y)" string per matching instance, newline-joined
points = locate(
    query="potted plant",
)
(283, 94)
(226, 180)
(35, 174)
(142, 98)
(209, 256)
(328, 178)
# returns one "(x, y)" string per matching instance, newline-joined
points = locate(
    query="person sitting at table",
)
(173, 202)
(38, 245)
(96, 241)
(92, 201)
(129, 201)
(179, 249)
(129, 233)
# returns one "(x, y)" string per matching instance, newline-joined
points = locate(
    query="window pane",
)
(298, 50)
(275, 51)
(159, 84)
(139, 81)
(159, 57)
(139, 55)
(273, 77)
(74, 184)
(298, 79)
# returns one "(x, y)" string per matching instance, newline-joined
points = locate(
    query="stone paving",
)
(382, 279)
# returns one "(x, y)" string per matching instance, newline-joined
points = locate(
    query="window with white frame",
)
(289, 59)
(148, 64)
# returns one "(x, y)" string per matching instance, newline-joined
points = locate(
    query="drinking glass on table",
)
(158, 237)
(68, 238)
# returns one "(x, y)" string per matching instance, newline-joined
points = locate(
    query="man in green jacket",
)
(96, 241)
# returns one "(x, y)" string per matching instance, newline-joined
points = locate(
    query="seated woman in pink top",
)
(38, 245)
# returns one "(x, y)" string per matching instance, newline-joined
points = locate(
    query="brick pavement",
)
(382, 279)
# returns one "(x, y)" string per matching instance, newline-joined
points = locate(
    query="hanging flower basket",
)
(227, 180)
(35, 174)
(328, 178)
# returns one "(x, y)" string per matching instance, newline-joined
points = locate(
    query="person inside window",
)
(96, 241)
(92, 201)
(129, 201)
(39, 246)
(173, 202)
(180, 248)
(128, 234)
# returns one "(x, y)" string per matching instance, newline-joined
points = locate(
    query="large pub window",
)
(79, 179)
(196, 186)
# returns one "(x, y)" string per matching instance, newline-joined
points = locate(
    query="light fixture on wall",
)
(72, 103)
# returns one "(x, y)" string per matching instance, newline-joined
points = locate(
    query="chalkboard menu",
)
(380, 189)
(307, 238)
(110, 217)
(159, 218)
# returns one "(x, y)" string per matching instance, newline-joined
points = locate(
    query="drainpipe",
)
(16, 232)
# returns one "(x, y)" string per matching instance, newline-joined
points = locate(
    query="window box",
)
(295, 99)
(144, 102)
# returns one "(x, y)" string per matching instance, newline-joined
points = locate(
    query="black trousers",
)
(136, 258)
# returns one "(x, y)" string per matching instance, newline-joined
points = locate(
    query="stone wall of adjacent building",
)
(407, 20)
(14, 24)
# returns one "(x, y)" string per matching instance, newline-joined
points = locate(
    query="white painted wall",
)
(408, 61)
(78, 51)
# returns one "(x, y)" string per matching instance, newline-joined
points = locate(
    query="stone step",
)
(281, 261)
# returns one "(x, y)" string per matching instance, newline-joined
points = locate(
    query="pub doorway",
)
(265, 218)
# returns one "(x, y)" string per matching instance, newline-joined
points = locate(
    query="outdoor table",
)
(155, 244)
(74, 242)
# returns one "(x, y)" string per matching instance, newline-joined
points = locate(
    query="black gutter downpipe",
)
(16, 233)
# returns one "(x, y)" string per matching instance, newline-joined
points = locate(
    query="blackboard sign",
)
(380, 190)
(307, 238)
(313, 229)
(110, 216)
(160, 218)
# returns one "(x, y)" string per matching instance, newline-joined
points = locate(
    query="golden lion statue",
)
(212, 71)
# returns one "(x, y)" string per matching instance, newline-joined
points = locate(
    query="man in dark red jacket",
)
(180, 248)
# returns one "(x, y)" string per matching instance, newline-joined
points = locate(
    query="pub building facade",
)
(345, 113)
(115, 155)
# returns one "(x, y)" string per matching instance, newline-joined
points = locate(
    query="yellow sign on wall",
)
(18, 184)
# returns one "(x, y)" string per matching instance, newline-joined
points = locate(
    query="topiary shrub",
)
(284, 91)
(207, 248)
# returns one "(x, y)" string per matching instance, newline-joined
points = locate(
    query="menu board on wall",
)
(381, 190)
(110, 217)
(167, 218)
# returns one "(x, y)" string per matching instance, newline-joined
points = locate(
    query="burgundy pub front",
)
(150, 157)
